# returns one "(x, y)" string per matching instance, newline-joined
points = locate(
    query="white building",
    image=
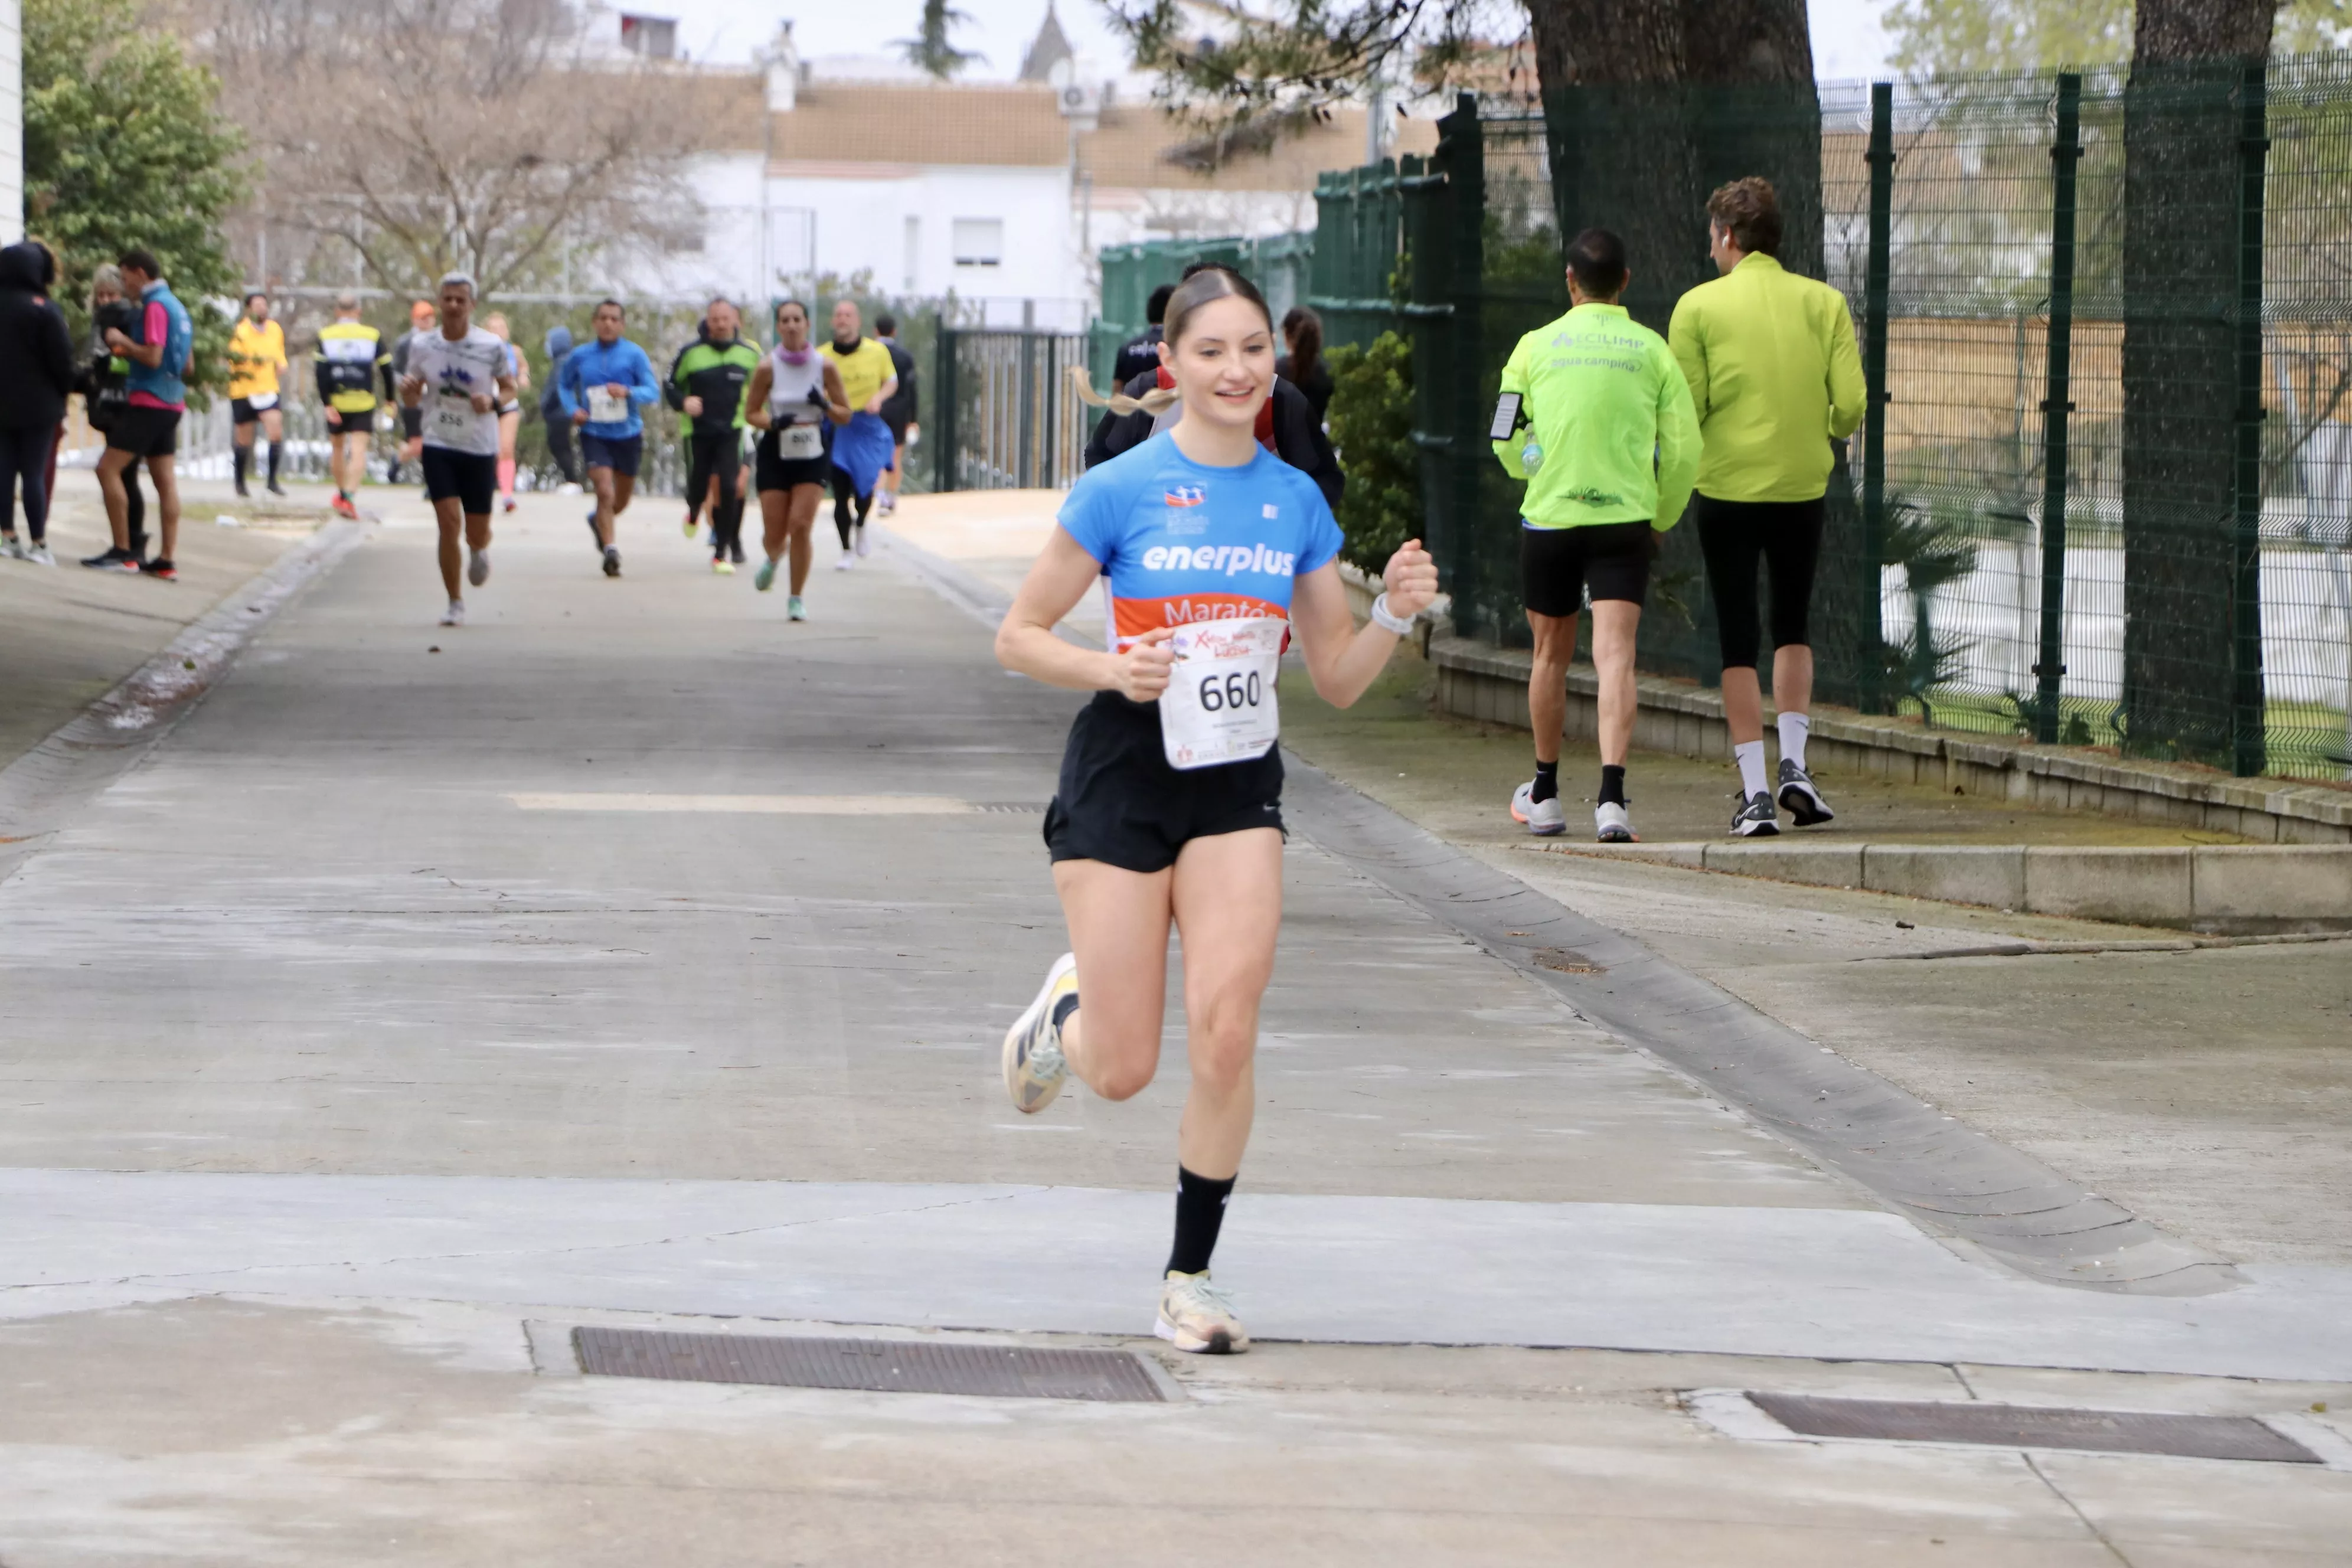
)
(997, 192)
(11, 120)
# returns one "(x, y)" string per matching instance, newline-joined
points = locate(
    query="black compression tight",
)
(23, 460)
(842, 520)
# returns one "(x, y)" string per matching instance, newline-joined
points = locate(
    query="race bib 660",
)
(1220, 703)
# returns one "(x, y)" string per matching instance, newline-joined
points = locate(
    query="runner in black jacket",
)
(1298, 438)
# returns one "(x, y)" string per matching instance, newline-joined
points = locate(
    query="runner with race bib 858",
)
(1169, 804)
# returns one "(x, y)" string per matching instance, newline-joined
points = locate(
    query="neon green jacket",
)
(1602, 396)
(1774, 372)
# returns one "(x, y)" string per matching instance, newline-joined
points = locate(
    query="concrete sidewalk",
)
(425, 981)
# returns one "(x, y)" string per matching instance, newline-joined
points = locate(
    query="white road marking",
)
(753, 805)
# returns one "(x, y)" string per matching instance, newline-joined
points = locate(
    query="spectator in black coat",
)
(1142, 353)
(1297, 435)
(37, 372)
(1303, 366)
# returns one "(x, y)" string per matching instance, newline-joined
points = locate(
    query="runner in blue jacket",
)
(602, 385)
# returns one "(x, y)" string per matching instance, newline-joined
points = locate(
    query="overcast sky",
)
(1847, 42)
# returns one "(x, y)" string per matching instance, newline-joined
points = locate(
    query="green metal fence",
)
(2101, 495)
(1278, 264)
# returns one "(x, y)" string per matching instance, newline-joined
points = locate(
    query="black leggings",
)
(1733, 534)
(25, 458)
(560, 448)
(842, 520)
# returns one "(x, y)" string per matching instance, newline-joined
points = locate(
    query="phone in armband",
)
(1506, 417)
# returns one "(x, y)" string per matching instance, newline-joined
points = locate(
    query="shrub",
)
(1371, 425)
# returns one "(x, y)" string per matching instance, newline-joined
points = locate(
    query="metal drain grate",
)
(2033, 1427)
(1011, 807)
(887, 1366)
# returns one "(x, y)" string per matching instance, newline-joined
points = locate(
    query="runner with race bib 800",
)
(1169, 804)
(458, 378)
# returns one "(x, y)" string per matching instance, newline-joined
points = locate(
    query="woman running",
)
(511, 411)
(1169, 801)
(794, 389)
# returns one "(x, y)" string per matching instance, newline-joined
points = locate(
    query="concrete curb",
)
(2232, 889)
(1477, 681)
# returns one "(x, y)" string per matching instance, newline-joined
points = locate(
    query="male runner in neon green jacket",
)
(1772, 365)
(1598, 402)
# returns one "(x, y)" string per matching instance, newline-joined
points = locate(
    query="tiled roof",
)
(1018, 125)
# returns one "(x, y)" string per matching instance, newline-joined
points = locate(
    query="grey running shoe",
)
(1756, 819)
(1612, 823)
(1034, 1069)
(611, 561)
(1198, 1317)
(1544, 818)
(1801, 797)
(478, 570)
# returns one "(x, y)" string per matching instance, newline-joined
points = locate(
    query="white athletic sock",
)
(1794, 728)
(1750, 757)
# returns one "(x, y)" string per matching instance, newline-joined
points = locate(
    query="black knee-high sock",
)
(240, 459)
(1200, 1214)
(276, 451)
(841, 520)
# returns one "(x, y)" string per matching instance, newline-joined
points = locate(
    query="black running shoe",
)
(1801, 797)
(1756, 819)
(115, 560)
(160, 567)
(611, 561)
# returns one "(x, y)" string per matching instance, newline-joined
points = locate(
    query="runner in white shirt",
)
(796, 389)
(1169, 807)
(456, 380)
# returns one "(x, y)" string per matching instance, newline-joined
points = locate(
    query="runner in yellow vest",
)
(863, 447)
(256, 353)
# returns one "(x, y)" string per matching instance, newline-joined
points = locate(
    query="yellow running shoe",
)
(1034, 1069)
(1198, 1317)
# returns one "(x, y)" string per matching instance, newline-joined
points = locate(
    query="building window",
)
(654, 37)
(979, 241)
(914, 251)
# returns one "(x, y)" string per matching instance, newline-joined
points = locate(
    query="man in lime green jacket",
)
(1595, 416)
(1773, 369)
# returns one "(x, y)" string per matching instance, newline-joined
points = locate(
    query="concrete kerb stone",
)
(1992, 874)
(2241, 882)
(2133, 886)
(1685, 721)
(1815, 865)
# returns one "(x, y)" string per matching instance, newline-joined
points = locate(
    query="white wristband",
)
(1388, 620)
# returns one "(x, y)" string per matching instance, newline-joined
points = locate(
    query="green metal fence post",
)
(1875, 287)
(2065, 153)
(944, 421)
(2248, 741)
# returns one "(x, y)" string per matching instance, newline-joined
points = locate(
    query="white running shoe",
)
(1800, 798)
(1198, 1317)
(863, 548)
(886, 503)
(1544, 818)
(795, 610)
(1756, 819)
(846, 562)
(1613, 824)
(478, 570)
(1034, 1069)
(10, 549)
(455, 615)
(39, 554)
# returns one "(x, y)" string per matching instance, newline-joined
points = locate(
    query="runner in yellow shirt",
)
(863, 448)
(256, 353)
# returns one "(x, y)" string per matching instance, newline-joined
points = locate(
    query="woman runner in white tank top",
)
(794, 389)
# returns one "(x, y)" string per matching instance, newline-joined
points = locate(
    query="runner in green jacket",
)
(1596, 417)
(705, 384)
(1772, 365)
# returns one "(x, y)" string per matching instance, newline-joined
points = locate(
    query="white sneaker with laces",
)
(1197, 1317)
(455, 615)
(1544, 818)
(478, 570)
(1034, 1070)
(1613, 824)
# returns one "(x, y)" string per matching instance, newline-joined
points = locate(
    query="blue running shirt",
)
(1178, 541)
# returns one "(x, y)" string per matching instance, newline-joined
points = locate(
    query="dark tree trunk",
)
(2182, 177)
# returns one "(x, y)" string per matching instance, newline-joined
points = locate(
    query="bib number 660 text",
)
(1233, 691)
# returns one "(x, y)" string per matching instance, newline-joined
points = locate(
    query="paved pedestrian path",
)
(631, 954)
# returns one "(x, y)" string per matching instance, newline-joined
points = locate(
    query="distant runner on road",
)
(603, 384)
(1169, 804)
(423, 317)
(1595, 418)
(900, 411)
(350, 356)
(862, 449)
(705, 384)
(458, 378)
(792, 394)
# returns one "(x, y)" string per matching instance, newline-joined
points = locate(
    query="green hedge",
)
(1371, 425)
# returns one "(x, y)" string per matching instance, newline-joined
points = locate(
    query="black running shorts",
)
(1557, 563)
(471, 479)
(145, 432)
(772, 471)
(1785, 536)
(1120, 803)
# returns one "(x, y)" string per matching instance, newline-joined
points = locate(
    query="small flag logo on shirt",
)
(1271, 511)
(1187, 495)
